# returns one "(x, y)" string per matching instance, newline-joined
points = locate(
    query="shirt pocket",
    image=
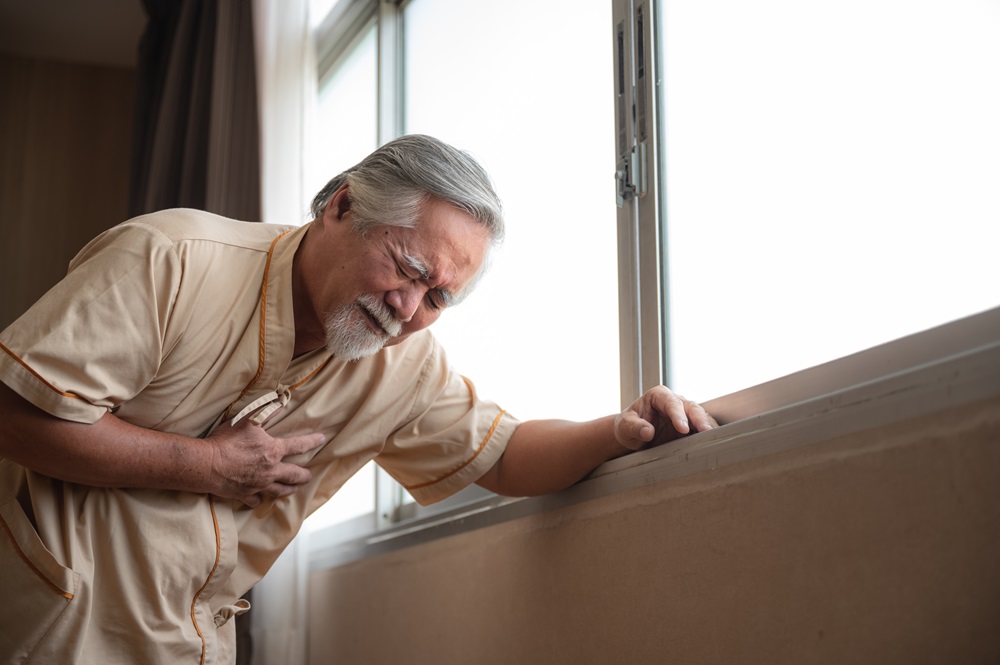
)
(36, 590)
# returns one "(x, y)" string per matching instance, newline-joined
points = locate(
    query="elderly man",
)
(196, 386)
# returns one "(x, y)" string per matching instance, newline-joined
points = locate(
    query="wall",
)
(881, 546)
(65, 136)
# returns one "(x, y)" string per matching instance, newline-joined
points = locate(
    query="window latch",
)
(631, 176)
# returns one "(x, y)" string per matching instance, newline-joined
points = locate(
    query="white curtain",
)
(286, 91)
(286, 73)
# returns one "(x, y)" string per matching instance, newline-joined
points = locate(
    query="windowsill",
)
(945, 367)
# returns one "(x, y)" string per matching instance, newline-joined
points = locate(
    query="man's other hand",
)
(660, 416)
(249, 464)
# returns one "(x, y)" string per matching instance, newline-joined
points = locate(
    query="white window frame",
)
(641, 262)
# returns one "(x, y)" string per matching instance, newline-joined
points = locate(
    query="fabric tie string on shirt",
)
(270, 402)
(227, 612)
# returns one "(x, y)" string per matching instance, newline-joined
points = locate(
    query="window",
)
(347, 110)
(827, 178)
(540, 335)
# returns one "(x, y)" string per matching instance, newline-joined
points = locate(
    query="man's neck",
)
(309, 332)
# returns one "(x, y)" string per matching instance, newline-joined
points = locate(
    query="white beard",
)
(348, 336)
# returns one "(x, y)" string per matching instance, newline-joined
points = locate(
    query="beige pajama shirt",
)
(177, 321)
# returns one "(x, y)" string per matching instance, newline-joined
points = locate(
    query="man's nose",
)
(405, 301)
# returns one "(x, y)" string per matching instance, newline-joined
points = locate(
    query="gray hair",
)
(390, 186)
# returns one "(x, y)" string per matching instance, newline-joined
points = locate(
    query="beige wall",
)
(878, 547)
(65, 136)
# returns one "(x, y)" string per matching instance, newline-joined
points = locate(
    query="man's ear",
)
(338, 205)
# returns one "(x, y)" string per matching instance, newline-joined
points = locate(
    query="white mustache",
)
(380, 312)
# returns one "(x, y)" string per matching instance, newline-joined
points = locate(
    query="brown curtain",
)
(196, 141)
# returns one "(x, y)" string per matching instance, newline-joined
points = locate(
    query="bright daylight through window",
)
(832, 171)
(540, 335)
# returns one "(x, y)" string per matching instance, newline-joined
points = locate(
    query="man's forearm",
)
(545, 456)
(242, 462)
(107, 453)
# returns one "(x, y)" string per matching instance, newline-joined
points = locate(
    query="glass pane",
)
(832, 172)
(526, 87)
(347, 99)
(346, 123)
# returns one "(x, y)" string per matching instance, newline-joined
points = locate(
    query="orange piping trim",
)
(36, 374)
(263, 323)
(310, 375)
(496, 423)
(218, 556)
(24, 557)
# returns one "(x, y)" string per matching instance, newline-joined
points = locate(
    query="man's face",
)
(376, 290)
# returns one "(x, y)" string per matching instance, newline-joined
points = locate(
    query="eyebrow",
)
(420, 268)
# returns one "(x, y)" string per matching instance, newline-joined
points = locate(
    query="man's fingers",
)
(290, 475)
(701, 419)
(639, 429)
(280, 489)
(275, 490)
(648, 418)
(251, 501)
(698, 416)
(672, 406)
(682, 413)
(296, 445)
(632, 430)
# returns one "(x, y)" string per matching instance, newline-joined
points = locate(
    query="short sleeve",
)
(451, 439)
(95, 339)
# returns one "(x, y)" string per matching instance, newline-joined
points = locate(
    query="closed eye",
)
(438, 299)
(412, 268)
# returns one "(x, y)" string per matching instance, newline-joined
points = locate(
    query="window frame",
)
(641, 215)
(339, 32)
